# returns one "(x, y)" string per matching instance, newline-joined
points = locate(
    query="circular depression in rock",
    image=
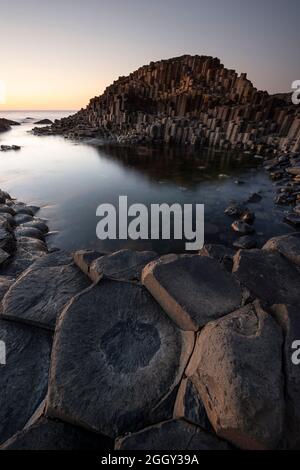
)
(130, 345)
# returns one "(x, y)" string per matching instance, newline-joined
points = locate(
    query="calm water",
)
(69, 180)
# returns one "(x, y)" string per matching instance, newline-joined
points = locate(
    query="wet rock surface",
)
(183, 284)
(24, 377)
(236, 367)
(114, 380)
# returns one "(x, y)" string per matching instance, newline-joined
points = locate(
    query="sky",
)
(58, 54)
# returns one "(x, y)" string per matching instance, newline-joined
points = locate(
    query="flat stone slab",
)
(289, 318)
(84, 258)
(193, 290)
(287, 245)
(268, 276)
(47, 434)
(237, 369)
(41, 293)
(174, 435)
(24, 377)
(116, 358)
(121, 265)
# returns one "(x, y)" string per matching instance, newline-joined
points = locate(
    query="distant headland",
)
(188, 100)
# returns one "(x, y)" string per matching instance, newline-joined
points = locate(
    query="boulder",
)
(44, 121)
(254, 198)
(116, 358)
(174, 435)
(35, 224)
(192, 289)
(234, 209)
(7, 221)
(41, 293)
(4, 256)
(121, 265)
(292, 219)
(268, 276)
(5, 209)
(221, 253)
(24, 377)
(7, 240)
(21, 208)
(29, 232)
(287, 245)
(237, 369)
(242, 227)
(289, 319)
(245, 243)
(46, 434)
(23, 218)
(5, 283)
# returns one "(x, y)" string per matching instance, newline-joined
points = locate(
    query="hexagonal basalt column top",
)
(116, 357)
(192, 289)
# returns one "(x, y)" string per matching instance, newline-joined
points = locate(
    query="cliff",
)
(188, 100)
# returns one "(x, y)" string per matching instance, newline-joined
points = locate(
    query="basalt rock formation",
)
(188, 100)
(135, 351)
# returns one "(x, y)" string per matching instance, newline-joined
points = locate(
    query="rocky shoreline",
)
(132, 350)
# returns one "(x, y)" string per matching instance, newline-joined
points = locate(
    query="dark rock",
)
(248, 217)
(176, 435)
(242, 227)
(234, 210)
(289, 319)
(22, 209)
(236, 368)
(28, 250)
(121, 265)
(245, 243)
(292, 219)
(268, 276)
(5, 283)
(4, 256)
(47, 434)
(33, 209)
(7, 240)
(44, 121)
(23, 218)
(35, 224)
(254, 198)
(40, 294)
(5, 209)
(221, 253)
(29, 232)
(116, 357)
(287, 245)
(183, 286)
(24, 377)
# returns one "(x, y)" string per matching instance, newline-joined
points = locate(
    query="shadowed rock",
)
(28, 250)
(221, 253)
(30, 232)
(193, 290)
(23, 218)
(190, 406)
(174, 435)
(237, 369)
(40, 294)
(7, 240)
(245, 243)
(5, 209)
(124, 264)
(46, 434)
(5, 283)
(287, 245)
(116, 357)
(24, 377)
(3, 256)
(289, 318)
(268, 276)
(36, 224)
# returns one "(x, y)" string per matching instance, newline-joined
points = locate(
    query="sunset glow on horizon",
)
(59, 54)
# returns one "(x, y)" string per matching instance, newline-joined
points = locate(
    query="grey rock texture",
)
(130, 359)
(24, 377)
(173, 435)
(28, 250)
(46, 434)
(268, 276)
(287, 245)
(40, 294)
(289, 318)
(121, 265)
(237, 370)
(183, 285)
(84, 258)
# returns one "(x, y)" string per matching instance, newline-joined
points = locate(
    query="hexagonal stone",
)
(268, 276)
(193, 290)
(174, 435)
(121, 265)
(24, 377)
(41, 293)
(289, 318)
(116, 358)
(237, 370)
(287, 245)
(47, 434)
